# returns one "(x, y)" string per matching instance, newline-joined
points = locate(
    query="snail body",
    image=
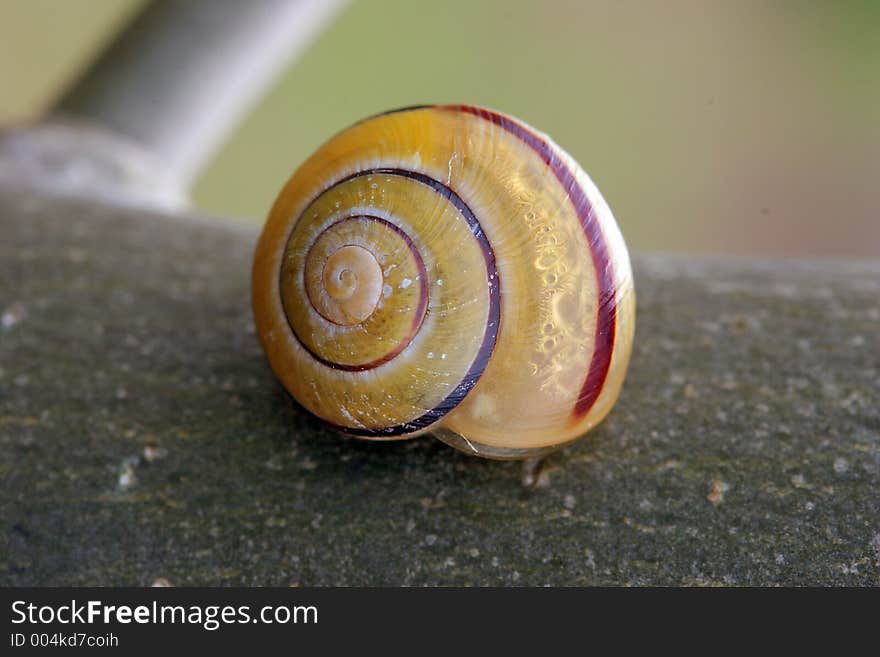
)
(446, 269)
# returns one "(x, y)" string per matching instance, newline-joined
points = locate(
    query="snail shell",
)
(446, 269)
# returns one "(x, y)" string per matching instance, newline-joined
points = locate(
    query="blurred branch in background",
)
(175, 83)
(710, 126)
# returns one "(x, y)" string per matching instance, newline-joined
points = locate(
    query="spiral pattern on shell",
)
(446, 268)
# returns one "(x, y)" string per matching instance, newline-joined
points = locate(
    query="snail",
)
(446, 269)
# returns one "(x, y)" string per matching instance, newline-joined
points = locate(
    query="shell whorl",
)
(446, 266)
(411, 283)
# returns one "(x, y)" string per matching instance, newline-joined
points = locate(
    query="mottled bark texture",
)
(143, 436)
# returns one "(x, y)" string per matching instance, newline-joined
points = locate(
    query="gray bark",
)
(143, 436)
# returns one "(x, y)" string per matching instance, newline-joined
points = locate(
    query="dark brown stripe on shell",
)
(606, 316)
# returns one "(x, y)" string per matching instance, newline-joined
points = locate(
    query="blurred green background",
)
(738, 127)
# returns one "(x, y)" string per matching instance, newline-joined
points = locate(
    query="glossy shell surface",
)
(447, 269)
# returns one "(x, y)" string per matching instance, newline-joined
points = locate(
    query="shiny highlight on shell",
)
(446, 269)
